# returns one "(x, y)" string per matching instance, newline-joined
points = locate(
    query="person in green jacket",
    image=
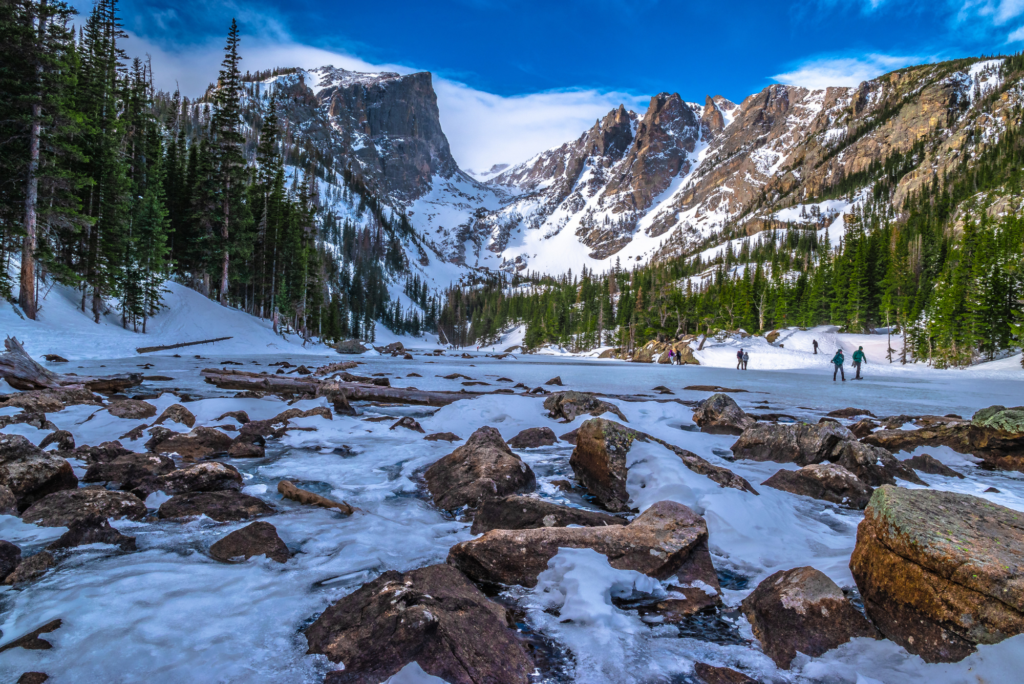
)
(859, 358)
(837, 361)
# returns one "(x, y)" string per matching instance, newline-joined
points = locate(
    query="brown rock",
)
(10, 556)
(293, 413)
(50, 400)
(407, 423)
(31, 568)
(129, 470)
(557, 381)
(201, 442)
(849, 412)
(482, 468)
(247, 446)
(873, 465)
(863, 428)
(31, 473)
(210, 476)
(64, 440)
(8, 502)
(571, 437)
(92, 531)
(32, 640)
(709, 674)
(61, 509)
(103, 453)
(256, 539)
(132, 409)
(222, 506)
(241, 416)
(719, 414)
(666, 540)
(940, 572)
(801, 444)
(442, 437)
(568, 405)
(176, 413)
(532, 438)
(599, 462)
(433, 616)
(33, 678)
(290, 491)
(527, 513)
(825, 481)
(802, 610)
(926, 463)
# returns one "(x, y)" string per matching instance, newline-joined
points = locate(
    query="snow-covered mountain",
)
(677, 179)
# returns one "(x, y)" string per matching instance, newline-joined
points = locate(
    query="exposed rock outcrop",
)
(433, 616)
(222, 506)
(61, 509)
(719, 414)
(526, 513)
(568, 405)
(531, 438)
(31, 473)
(825, 481)
(256, 539)
(482, 468)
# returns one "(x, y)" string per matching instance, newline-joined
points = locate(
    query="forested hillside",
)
(111, 187)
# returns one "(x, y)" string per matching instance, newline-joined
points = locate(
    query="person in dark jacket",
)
(815, 343)
(859, 358)
(837, 361)
(739, 360)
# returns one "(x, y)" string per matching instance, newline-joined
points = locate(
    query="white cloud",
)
(843, 71)
(1016, 36)
(483, 129)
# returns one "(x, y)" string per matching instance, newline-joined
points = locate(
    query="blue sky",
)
(516, 77)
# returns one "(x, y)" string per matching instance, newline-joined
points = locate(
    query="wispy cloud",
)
(822, 72)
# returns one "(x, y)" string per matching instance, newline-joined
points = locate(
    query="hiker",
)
(739, 359)
(838, 360)
(746, 357)
(859, 358)
(815, 343)
(671, 357)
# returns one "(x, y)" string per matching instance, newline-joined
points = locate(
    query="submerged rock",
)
(62, 509)
(926, 463)
(221, 506)
(525, 513)
(258, 539)
(31, 568)
(599, 462)
(482, 468)
(176, 413)
(132, 409)
(568, 405)
(940, 572)
(531, 438)
(709, 674)
(667, 540)
(433, 616)
(31, 473)
(92, 531)
(442, 437)
(33, 641)
(802, 610)
(825, 481)
(719, 414)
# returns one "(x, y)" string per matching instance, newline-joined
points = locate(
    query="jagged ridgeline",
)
(892, 205)
(248, 194)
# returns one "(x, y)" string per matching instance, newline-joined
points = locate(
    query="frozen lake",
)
(170, 613)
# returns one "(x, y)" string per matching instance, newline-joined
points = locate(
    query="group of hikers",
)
(742, 357)
(674, 357)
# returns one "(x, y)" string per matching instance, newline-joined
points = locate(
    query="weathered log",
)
(22, 372)
(146, 350)
(225, 378)
(357, 391)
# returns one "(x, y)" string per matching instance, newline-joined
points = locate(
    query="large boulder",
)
(33, 567)
(599, 462)
(825, 481)
(31, 473)
(8, 502)
(926, 463)
(482, 468)
(531, 438)
(130, 470)
(527, 513)
(719, 414)
(49, 400)
(350, 347)
(104, 453)
(875, 466)
(432, 616)
(221, 506)
(176, 413)
(802, 610)
(257, 539)
(95, 530)
(567, 405)
(799, 443)
(132, 409)
(667, 540)
(198, 477)
(940, 572)
(61, 509)
(202, 442)
(10, 556)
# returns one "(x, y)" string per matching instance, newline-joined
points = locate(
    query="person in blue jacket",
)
(859, 358)
(837, 361)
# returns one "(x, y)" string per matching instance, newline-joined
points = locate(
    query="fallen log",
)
(146, 350)
(358, 391)
(22, 372)
(225, 378)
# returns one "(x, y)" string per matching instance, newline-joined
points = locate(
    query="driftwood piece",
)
(146, 350)
(225, 378)
(22, 372)
(358, 391)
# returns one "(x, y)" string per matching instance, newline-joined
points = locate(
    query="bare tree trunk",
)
(224, 264)
(27, 293)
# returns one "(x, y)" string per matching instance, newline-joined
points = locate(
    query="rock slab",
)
(482, 468)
